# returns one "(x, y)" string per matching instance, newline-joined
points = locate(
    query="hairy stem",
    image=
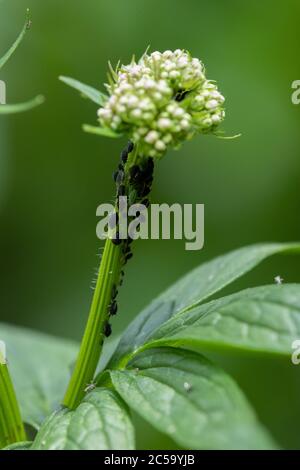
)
(132, 181)
(11, 425)
(93, 338)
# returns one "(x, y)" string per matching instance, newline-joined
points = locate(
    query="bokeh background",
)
(53, 176)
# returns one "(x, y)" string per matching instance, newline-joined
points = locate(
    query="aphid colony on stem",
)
(136, 183)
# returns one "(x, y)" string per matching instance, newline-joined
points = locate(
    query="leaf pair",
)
(178, 391)
(95, 96)
(17, 108)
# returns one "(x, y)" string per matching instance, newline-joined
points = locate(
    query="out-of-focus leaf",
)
(40, 367)
(19, 39)
(86, 90)
(183, 395)
(20, 107)
(193, 289)
(101, 422)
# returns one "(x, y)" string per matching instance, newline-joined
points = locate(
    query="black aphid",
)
(126, 249)
(113, 308)
(135, 173)
(130, 146)
(124, 156)
(145, 202)
(107, 330)
(116, 239)
(114, 292)
(180, 95)
(121, 190)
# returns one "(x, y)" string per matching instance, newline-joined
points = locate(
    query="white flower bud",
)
(164, 123)
(212, 104)
(178, 112)
(151, 137)
(216, 118)
(174, 74)
(136, 113)
(185, 124)
(160, 146)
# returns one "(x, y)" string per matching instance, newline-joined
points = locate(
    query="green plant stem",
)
(92, 342)
(111, 265)
(11, 425)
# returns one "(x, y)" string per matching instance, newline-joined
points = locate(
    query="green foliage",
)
(100, 422)
(40, 366)
(86, 90)
(20, 107)
(17, 108)
(26, 445)
(178, 391)
(192, 290)
(95, 96)
(183, 395)
(264, 319)
(105, 132)
(17, 42)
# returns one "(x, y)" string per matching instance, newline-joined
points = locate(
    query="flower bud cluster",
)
(161, 101)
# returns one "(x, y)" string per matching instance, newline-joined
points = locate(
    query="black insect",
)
(149, 167)
(145, 202)
(113, 308)
(180, 95)
(126, 249)
(124, 156)
(121, 190)
(130, 146)
(114, 292)
(107, 330)
(145, 191)
(128, 256)
(116, 239)
(135, 174)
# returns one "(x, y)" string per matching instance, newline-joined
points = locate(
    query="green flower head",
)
(161, 101)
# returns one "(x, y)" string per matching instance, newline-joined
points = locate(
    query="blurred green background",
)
(53, 176)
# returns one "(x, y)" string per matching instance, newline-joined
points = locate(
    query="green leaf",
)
(101, 422)
(87, 91)
(40, 369)
(192, 289)
(263, 319)
(19, 39)
(103, 131)
(19, 446)
(185, 396)
(20, 107)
